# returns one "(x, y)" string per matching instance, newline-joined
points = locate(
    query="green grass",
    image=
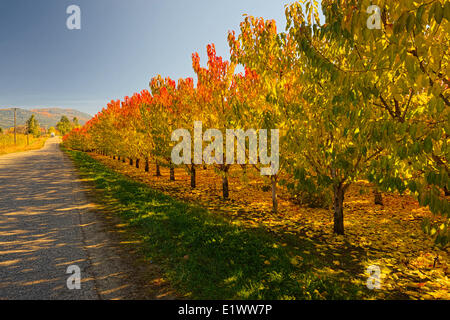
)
(224, 261)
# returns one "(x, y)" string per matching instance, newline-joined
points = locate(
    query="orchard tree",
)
(404, 67)
(103, 137)
(272, 57)
(214, 87)
(133, 128)
(188, 112)
(160, 120)
(336, 132)
(144, 138)
(78, 139)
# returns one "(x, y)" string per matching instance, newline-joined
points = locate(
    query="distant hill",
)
(47, 118)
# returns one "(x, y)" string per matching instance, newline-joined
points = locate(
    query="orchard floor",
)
(388, 236)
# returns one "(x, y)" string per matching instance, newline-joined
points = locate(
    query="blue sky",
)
(121, 45)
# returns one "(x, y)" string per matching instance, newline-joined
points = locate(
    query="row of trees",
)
(31, 127)
(64, 125)
(351, 102)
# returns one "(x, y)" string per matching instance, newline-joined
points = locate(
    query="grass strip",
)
(205, 256)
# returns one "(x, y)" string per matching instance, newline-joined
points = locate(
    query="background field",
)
(7, 143)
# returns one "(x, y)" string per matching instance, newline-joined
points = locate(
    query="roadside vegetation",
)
(24, 143)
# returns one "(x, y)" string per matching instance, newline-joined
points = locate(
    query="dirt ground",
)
(48, 223)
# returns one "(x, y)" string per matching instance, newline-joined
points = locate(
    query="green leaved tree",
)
(400, 70)
(64, 125)
(33, 126)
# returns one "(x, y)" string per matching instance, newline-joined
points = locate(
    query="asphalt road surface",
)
(40, 227)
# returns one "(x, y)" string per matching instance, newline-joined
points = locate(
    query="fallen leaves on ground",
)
(388, 236)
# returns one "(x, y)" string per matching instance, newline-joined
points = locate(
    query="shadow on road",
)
(39, 227)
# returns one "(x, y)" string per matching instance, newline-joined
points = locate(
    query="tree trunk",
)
(137, 163)
(158, 172)
(225, 190)
(147, 165)
(131, 161)
(446, 192)
(118, 158)
(192, 172)
(274, 195)
(378, 198)
(172, 174)
(114, 157)
(338, 205)
(123, 159)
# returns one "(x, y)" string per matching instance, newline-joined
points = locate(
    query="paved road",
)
(40, 232)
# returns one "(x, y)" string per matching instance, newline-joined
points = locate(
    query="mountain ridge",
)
(47, 117)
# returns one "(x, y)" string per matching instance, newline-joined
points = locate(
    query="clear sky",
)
(121, 45)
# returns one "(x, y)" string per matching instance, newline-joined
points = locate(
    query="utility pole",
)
(27, 127)
(15, 126)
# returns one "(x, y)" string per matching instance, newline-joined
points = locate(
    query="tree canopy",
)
(351, 101)
(33, 126)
